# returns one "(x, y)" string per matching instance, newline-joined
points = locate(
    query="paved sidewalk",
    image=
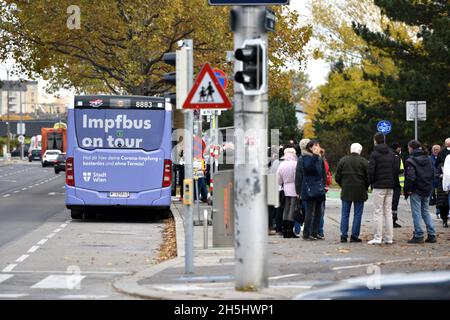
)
(295, 266)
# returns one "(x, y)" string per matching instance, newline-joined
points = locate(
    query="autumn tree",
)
(119, 44)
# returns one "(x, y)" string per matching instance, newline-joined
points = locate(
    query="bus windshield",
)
(119, 129)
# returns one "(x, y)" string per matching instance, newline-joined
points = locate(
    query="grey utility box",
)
(223, 209)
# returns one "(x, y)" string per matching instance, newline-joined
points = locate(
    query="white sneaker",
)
(374, 241)
(389, 242)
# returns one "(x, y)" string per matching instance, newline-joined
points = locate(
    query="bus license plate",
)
(119, 194)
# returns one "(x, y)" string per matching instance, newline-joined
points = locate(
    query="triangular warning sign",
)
(207, 93)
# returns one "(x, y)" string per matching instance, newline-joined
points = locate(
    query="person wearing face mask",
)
(444, 152)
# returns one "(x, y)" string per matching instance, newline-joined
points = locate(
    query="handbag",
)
(314, 188)
(298, 212)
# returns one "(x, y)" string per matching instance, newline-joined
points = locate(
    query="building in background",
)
(23, 97)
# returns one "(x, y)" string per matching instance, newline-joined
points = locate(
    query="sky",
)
(317, 70)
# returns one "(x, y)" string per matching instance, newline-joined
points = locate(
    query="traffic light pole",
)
(188, 167)
(250, 201)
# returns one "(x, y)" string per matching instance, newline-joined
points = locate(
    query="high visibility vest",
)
(401, 176)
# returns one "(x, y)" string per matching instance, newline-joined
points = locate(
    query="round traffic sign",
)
(222, 77)
(21, 139)
(384, 127)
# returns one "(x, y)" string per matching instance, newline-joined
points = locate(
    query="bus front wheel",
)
(76, 214)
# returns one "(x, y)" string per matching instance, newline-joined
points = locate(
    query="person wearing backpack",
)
(312, 182)
(418, 187)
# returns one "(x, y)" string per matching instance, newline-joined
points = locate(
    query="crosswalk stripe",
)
(4, 277)
(13, 295)
(9, 268)
(60, 282)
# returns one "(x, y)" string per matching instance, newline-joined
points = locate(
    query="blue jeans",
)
(345, 218)
(322, 221)
(203, 191)
(419, 208)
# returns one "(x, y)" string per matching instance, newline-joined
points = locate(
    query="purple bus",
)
(118, 154)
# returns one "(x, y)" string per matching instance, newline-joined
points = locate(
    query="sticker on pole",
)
(207, 92)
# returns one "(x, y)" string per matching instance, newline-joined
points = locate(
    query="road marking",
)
(9, 268)
(6, 195)
(23, 189)
(56, 230)
(17, 191)
(4, 277)
(59, 282)
(52, 193)
(83, 297)
(51, 235)
(42, 242)
(30, 187)
(65, 271)
(22, 258)
(370, 264)
(33, 249)
(285, 276)
(63, 225)
(13, 295)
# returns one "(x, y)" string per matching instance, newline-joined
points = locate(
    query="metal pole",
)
(21, 125)
(205, 229)
(8, 129)
(188, 125)
(250, 201)
(416, 121)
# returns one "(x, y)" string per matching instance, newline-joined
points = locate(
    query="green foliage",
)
(282, 116)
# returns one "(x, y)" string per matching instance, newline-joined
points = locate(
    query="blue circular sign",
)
(384, 127)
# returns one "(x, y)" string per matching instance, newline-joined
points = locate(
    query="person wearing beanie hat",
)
(352, 176)
(286, 179)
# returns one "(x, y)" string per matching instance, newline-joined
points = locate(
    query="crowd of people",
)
(304, 176)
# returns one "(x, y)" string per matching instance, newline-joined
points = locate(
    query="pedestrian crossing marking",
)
(4, 277)
(68, 282)
(13, 295)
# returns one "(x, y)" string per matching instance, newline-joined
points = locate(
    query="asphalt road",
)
(46, 255)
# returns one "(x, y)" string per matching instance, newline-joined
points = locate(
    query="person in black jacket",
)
(383, 177)
(418, 186)
(311, 183)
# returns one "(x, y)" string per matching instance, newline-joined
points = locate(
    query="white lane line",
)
(9, 268)
(59, 282)
(285, 276)
(33, 249)
(370, 264)
(4, 277)
(23, 189)
(65, 271)
(51, 193)
(6, 196)
(17, 191)
(56, 230)
(13, 295)
(22, 258)
(63, 225)
(30, 187)
(51, 235)
(42, 242)
(83, 297)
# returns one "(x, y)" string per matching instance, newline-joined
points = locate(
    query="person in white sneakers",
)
(383, 177)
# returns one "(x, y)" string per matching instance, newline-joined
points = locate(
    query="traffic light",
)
(179, 78)
(253, 76)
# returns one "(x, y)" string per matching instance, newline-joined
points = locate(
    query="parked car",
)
(49, 157)
(34, 155)
(60, 164)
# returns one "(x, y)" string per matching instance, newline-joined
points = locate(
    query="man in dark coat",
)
(383, 177)
(418, 186)
(352, 175)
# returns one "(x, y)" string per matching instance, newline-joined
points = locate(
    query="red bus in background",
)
(54, 139)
